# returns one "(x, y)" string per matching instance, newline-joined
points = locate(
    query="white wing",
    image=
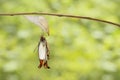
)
(40, 21)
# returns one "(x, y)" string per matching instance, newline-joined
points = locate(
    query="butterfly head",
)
(42, 38)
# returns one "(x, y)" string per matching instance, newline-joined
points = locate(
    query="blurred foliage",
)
(80, 49)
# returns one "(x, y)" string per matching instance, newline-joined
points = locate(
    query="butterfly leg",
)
(41, 63)
(46, 65)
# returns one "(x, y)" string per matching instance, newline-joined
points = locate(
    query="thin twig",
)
(59, 15)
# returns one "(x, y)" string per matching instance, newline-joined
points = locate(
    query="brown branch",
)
(59, 15)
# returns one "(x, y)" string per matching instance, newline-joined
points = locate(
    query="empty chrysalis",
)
(43, 53)
(40, 21)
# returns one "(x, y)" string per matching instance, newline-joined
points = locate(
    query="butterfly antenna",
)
(35, 49)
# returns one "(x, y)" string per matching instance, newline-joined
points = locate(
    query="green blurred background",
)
(79, 49)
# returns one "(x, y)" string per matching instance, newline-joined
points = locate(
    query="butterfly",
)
(43, 53)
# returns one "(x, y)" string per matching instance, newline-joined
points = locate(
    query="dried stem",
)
(59, 15)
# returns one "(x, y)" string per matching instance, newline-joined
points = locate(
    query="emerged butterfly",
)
(43, 53)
